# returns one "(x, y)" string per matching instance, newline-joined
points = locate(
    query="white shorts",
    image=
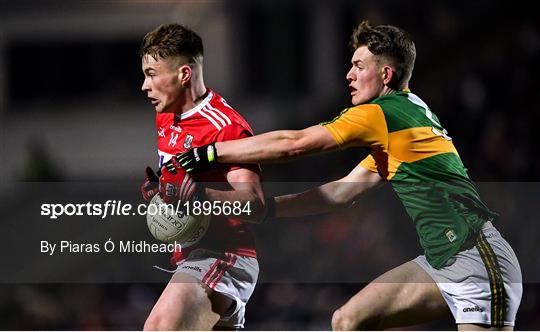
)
(231, 275)
(481, 285)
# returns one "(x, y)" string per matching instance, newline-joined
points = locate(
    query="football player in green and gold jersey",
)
(467, 268)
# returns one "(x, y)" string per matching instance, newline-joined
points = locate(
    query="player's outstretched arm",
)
(276, 146)
(329, 196)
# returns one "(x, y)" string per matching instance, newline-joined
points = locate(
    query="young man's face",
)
(365, 77)
(162, 84)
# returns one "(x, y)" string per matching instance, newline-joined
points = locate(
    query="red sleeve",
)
(232, 132)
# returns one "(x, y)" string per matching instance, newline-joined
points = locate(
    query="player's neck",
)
(194, 96)
(388, 90)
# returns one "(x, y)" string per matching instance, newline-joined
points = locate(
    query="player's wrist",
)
(211, 154)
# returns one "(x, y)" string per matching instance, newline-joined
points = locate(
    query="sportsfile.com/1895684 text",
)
(117, 208)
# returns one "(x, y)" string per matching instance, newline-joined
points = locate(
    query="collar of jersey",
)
(197, 108)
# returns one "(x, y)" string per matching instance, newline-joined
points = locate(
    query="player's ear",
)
(184, 74)
(388, 74)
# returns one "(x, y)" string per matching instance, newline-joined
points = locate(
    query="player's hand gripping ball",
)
(166, 215)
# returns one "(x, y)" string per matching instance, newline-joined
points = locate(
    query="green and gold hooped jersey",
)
(411, 149)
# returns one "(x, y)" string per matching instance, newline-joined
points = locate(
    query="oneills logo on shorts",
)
(473, 309)
(196, 268)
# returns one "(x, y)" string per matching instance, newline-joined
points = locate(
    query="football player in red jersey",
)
(214, 280)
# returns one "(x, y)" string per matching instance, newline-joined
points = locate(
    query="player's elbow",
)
(342, 202)
(339, 203)
(294, 145)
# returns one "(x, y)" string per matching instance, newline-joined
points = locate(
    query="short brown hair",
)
(173, 40)
(388, 43)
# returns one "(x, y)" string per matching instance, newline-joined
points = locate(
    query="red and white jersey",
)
(212, 120)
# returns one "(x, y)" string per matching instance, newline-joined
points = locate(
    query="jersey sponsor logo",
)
(188, 141)
(176, 128)
(473, 309)
(161, 132)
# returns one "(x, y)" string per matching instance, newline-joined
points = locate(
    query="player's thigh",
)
(405, 295)
(187, 304)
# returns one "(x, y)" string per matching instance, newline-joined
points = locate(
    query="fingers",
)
(148, 190)
(182, 158)
(185, 161)
(183, 190)
(149, 187)
(179, 161)
(170, 166)
(148, 195)
(187, 188)
(190, 191)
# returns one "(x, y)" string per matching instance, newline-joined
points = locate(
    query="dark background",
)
(71, 110)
